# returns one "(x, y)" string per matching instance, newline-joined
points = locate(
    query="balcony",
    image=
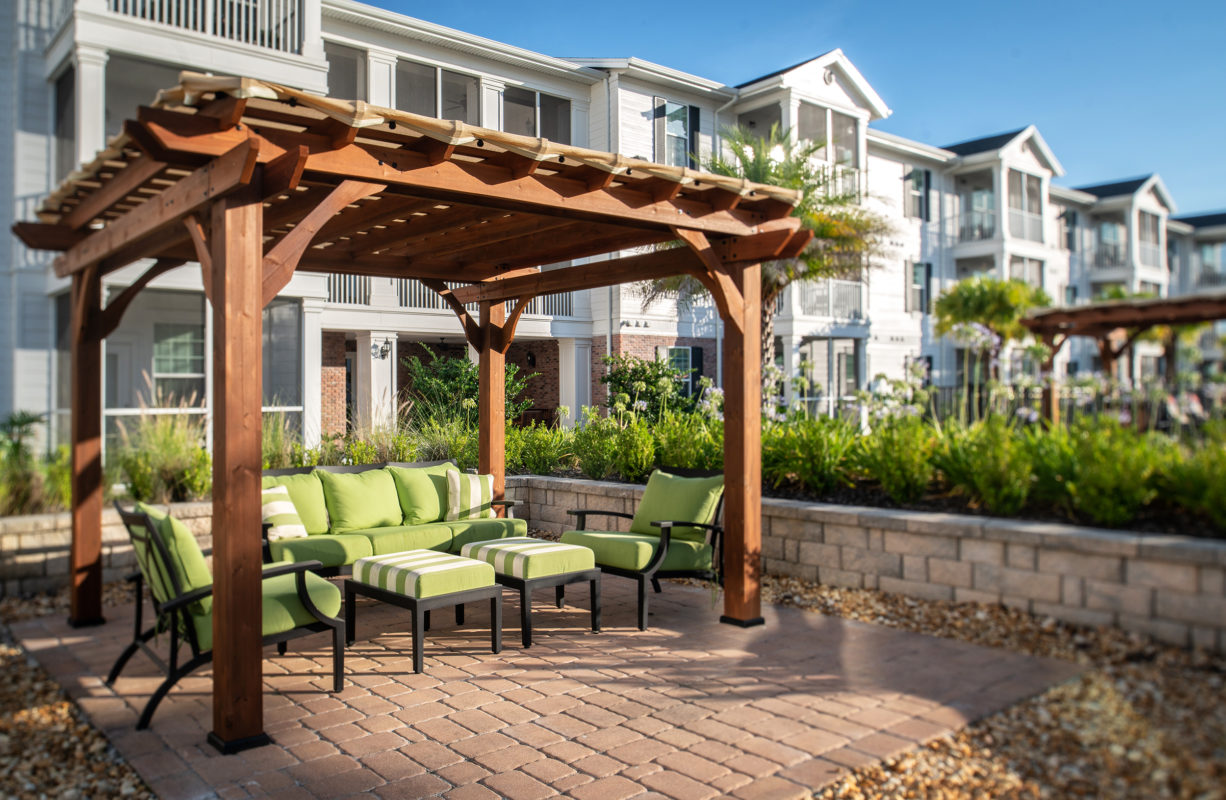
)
(1149, 254)
(1211, 278)
(272, 24)
(412, 293)
(1025, 225)
(1111, 255)
(835, 299)
(976, 226)
(351, 290)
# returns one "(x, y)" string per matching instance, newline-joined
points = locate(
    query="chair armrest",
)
(506, 503)
(677, 524)
(289, 569)
(187, 599)
(583, 514)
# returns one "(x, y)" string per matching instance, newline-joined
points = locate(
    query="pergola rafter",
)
(255, 181)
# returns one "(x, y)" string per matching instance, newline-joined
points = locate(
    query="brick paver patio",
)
(688, 709)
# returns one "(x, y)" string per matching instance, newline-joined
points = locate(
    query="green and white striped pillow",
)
(469, 496)
(279, 511)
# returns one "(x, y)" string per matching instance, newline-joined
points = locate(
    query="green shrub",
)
(538, 449)
(59, 478)
(445, 388)
(988, 462)
(279, 438)
(814, 454)
(898, 455)
(1118, 473)
(1195, 480)
(163, 460)
(689, 441)
(438, 440)
(636, 450)
(651, 385)
(596, 444)
(1054, 466)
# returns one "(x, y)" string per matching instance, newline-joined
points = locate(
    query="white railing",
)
(976, 226)
(1150, 254)
(1211, 279)
(349, 289)
(412, 293)
(830, 298)
(274, 24)
(1025, 225)
(1111, 255)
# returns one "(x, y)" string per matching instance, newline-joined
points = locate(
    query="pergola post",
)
(237, 276)
(492, 408)
(1050, 402)
(743, 453)
(85, 606)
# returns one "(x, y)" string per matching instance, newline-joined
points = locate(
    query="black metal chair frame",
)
(526, 586)
(652, 572)
(173, 616)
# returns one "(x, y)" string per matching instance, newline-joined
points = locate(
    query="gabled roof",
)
(1203, 220)
(779, 72)
(1132, 186)
(983, 144)
(835, 60)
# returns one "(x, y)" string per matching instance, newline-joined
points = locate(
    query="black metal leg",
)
(146, 716)
(594, 588)
(655, 584)
(351, 628)
(420, 626)
(560, 596)
(496, 623)
(459, 613)
(121, 662)
(426, 621)
(525, 616)
(281, 648)
(642, 603)
(338, 657)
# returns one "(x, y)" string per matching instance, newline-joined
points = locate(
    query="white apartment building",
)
(75, 69)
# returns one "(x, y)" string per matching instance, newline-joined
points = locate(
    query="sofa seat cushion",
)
(482, 530)
(674, 498)
(307, 494)
(328, 549)
(634, 551)
(398, 538)
(361, 500)
(423, 573)
(282, 610)
(527, 558)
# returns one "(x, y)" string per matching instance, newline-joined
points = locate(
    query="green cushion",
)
(280, 514)
(330, 550)
(671, 497)
(308, 495)
(633, 551)
(186, 560)
(422, 492)
(361, 500)
(282, 611)
(398, 538)
(469, 496)
(423, 573)
(482, 530)
(524, 557)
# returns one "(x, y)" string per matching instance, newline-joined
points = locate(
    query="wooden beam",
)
(284, 173)
(226, 109)
(213, 180)
(406, 239)
(238, 702)
(579, 240)
(510, 236)
(716, 278)
(204, 256)
(47, 235)
(85, 556)
(491, 403)
(340, 263)
(110, 317)
(472, 329)
(283, 258)
(743, 454)
(123, 183)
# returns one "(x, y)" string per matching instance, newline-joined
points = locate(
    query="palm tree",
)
(996, 304)
(843, 232)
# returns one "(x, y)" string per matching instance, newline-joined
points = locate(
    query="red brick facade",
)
(332, 412)
(543, 389)
(642, 346)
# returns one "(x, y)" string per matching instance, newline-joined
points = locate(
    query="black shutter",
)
(908, 285)
(693, 136)
(926, 295)
(925, 205)
(696, 368)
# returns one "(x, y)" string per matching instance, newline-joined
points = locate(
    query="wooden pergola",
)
(252, 181)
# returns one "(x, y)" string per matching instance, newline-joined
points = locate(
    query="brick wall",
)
(644, 346)
(332, 411)
(543, 389)
(1170, 587)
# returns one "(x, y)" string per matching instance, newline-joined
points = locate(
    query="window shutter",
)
(693, 135)
(659, 118)
(908, 285)
(696, 365)
(926, 295)
(925, 202)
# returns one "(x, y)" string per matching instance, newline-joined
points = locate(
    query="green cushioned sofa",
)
(351, 512)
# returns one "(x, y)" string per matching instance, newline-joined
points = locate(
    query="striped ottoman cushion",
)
(423, 573)
(525, 557)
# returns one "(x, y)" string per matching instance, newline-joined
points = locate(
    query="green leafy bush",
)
(648, 387)
(1119, 469)
(898, 455)
(538, 449)
(441, 439)
(438, 388)
(635, 454)
(1196, 480)
(22, 489)
(596, 444)
(814, 454)
(689, 441)
(163, 460)
(987, 462)
(1054, 466)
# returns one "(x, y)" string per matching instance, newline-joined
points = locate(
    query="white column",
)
(381, 78)
(791, 362)
(491, 103)
(374, 395)
(312, 28)
(312, 371)
(90, 101)
(567, 382)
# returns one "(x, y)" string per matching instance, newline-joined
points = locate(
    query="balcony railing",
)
(835, 299)
(1025, 225)
(976, 226)
(274, 24)
(1111, 255)
(349, 289)
(412, 293)
(1210, 278)
(1149, 254)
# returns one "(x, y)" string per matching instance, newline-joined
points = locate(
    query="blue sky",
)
(1117, 89)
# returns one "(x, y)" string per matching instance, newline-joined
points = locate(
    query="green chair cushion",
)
(361, 500)
(422, 492)
(524, 557)
(186, 559)
(672, 497)
(328, 549)
(398, 538)
(634, 551)
(282, 610)
(423, 573)
(483, 530)
(308, 495)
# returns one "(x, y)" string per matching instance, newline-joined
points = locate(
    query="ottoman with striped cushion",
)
(528, 564)
(420, 580)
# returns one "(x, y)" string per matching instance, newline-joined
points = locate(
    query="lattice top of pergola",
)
(1102, 318)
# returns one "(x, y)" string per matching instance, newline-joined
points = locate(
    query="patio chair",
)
(674, 532)
(296, 602)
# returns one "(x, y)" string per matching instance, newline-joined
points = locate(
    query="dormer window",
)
(1025, 206)
(838, 133)
(433, 92)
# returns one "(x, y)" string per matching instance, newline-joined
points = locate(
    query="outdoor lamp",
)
(381, 351)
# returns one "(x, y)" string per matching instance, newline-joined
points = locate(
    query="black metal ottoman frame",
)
(421, 609)
(526, 586)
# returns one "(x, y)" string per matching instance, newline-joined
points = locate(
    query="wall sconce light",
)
(381, 351)
(531, 359)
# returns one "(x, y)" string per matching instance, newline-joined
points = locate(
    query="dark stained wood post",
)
(1050, 403)
(237, 276)
(492, 408)
(743, 454)
(85, 606)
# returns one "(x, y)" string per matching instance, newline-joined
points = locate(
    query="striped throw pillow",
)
(469, 496)
(279, 511)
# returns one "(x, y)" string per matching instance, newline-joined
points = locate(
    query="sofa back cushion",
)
(469, 496)
(422, 492)
(672, 497)
(280, 514)
(307, 494)
(358, 500)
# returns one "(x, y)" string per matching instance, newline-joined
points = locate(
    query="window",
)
(687, 361)
(1151, 289)
(178, 364)
(1025, 206)
(461, 96)
(1068, 229)
(846, 140)
(811, 126)
(282, 326)
(346, 72)
(919, 183)
(530, 113)
(1070, 295)
(1149, 224)
(1029, 270)
(918, 278)
(417, 88)
(1112, 250)
(676, 133)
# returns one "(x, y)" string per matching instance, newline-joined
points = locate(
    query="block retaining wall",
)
(1170, 587)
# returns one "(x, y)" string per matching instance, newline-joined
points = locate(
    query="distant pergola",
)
(253, 181)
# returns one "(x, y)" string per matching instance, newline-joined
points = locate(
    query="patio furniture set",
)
(421, 536)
